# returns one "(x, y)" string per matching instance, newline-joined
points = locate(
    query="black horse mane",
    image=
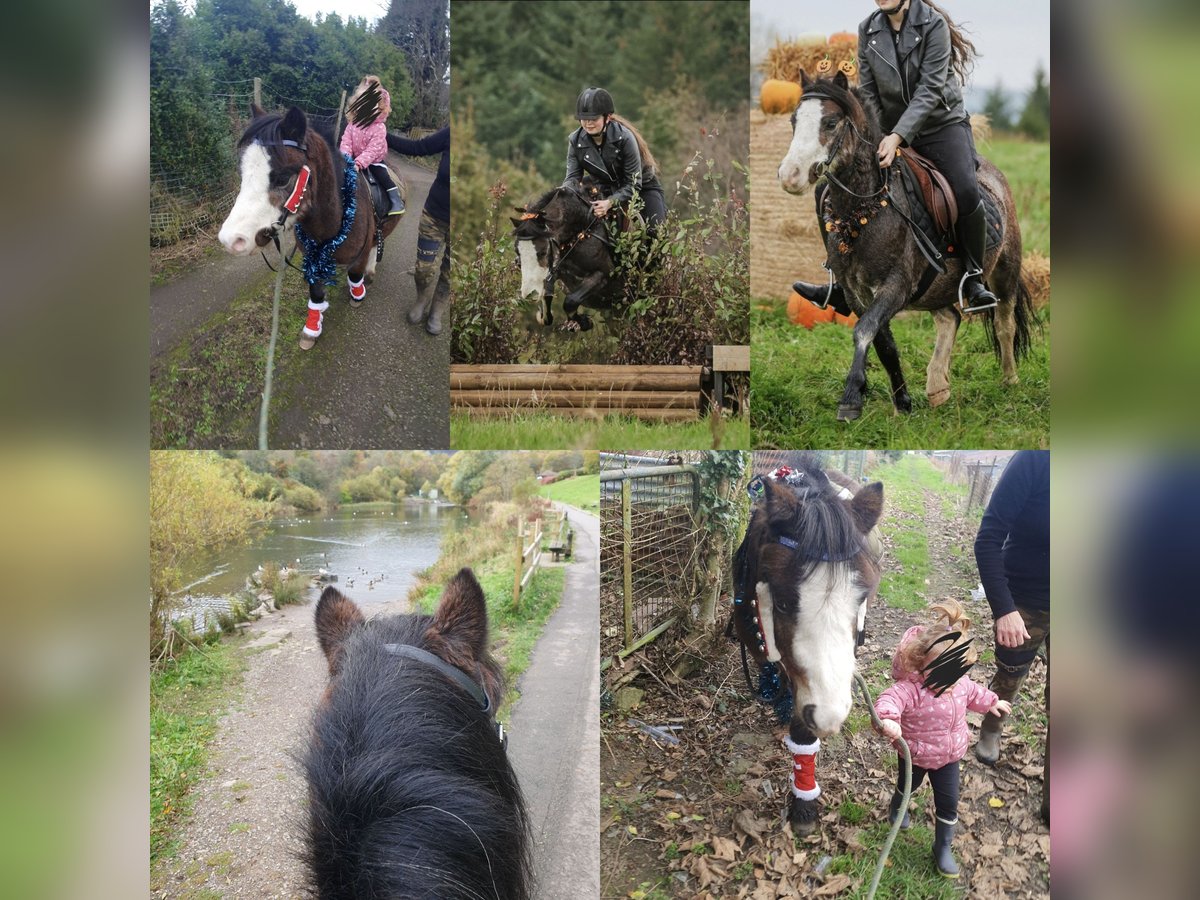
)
(819, 523)
(265, 130)
(410, 793)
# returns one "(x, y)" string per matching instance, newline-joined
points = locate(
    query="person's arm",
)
(931, 82)
(375, 149)
(432, 144)
(574, 170)
(347, 144)
(981, 699)
(1012, 493)
(631, 171)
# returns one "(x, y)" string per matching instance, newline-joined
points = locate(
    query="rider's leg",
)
(828, 293)
(395, 201)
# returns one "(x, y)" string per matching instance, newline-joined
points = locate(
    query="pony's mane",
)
(820, 523)
(409, 789)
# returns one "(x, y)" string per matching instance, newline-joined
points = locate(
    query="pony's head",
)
(272, 158)
(816, 568)
(826, 126)
(531, 238)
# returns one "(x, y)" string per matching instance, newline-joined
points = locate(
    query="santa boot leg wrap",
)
(804, 765)
(316, 318)
(358, 290)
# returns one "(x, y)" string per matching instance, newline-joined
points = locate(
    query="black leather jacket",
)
(616, 164)
(916, 92)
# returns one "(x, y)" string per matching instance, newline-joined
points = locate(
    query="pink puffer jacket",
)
(366, 145)
(935, 728)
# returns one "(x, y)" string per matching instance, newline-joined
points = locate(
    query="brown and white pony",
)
(293, 175)
(805, 572)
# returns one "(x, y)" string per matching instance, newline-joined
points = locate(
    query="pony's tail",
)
(1025, 316)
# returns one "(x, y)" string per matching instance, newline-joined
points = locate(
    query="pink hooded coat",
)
(935, 728)
(367, 145)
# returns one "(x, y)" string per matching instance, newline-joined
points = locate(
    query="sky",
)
(1012, 37)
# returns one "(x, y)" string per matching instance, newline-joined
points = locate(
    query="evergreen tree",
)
(1035, 118)
(421, 29)
(996, 108)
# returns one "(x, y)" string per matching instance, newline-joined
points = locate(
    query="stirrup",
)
(824, 304)
(962, 303)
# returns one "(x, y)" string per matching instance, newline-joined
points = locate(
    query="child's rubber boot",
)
(396, 207)
(943, 858)
(893, 808)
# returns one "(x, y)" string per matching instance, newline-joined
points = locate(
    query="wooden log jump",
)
(658, 393)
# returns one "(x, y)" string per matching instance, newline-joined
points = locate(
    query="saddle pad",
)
(379, 198)
(921, 215)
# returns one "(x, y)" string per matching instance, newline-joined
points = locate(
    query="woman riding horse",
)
(912, 63)
(608, 148)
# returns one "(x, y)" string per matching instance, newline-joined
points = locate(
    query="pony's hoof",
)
(937, 398)
(355, 304)
(306, 342)
(803, 829)
(903, 403)
(1009, 382)
(848, 413)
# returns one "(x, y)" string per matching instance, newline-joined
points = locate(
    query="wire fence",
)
(650, 546)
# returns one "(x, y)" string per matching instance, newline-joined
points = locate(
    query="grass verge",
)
(186, 698)
(910, 873)
(531, 431)
(799, 375)
(582, 492)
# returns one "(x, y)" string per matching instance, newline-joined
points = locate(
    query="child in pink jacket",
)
(365, 137)
(927, 706)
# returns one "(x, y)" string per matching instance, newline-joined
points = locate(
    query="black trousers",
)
(654, 206)
(952, 149)
(944, 782)
(380, 173)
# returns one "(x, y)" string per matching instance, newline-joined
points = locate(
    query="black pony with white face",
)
(805, 575)
(410, 791)
(878, 263)
(559, 238)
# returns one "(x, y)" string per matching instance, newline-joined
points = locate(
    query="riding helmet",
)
(594, 102)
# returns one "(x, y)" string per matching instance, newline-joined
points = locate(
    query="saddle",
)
(379, 197)
(935, 190)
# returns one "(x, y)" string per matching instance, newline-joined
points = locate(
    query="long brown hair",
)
(648, 161)
(962, 50)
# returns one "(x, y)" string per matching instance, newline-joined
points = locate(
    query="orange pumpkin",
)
(824, 66)
(843, 38)
(803, 312)
(848, 69)
(778, 97)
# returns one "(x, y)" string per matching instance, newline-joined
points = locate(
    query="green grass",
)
(582, 491)
(911, 875)
(531, 431)
(1026, 165)
(799, 375)
(513, 632)
(186, 699)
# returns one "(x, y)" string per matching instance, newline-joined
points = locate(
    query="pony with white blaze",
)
(803, 577)
(293, 176)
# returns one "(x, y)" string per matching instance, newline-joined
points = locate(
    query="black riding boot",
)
(972, 235)
(823, 295)
(943, 858)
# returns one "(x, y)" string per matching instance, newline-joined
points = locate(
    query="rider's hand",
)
(1010, 630)
(887, 149)
(890, 728)
(601, 208)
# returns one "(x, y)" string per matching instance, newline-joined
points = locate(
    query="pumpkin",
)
(848, 69)
(779, 97)
(805, 313)
(824, 66)
(843, 39)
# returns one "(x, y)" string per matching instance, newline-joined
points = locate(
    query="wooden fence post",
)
(520, 562)
(627, 558)
(258, 92)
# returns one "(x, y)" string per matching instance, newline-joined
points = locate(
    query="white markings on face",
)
(533, 273)
(805, 151)
(823, 643)
(252, 211)
(766, 612)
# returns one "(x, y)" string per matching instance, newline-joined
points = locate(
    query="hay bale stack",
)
(1036, 267)
(786, 59)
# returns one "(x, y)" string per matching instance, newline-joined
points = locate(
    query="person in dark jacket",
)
(610, 150)
(1012, 550)
(912, 63)
(433, 234)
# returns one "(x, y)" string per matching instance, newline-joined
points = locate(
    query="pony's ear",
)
(867, 506)
(337, 616)
(805, 81)
(460, 625)
(781, 503)
(516, 222)
(294, 125)
(840, 80)
(256, 111)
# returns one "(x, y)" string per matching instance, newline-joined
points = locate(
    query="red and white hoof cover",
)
(316, 318)
(358, 290)
(804, 768)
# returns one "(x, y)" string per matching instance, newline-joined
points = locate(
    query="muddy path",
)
(705, 817)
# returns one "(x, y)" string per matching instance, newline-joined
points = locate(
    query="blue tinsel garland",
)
(318, 255)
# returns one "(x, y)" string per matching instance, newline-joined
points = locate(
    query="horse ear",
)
(294, 125)
(516, 222)
(780, 503)
(805, 81)
(460, 624)
(867, 506)
(840, 80)
(256, 111)
(337, 616)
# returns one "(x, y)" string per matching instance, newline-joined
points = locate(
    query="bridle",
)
(825, 169)
(291, 204)
(456, 675)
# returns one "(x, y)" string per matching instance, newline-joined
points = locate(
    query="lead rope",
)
(266, 401)
(891, 838)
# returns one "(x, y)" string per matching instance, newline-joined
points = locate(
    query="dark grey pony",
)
(879, 263)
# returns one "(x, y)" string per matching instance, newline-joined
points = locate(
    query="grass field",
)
(1026, 165)
(799, 375)
(582, 492)
(549, 432)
